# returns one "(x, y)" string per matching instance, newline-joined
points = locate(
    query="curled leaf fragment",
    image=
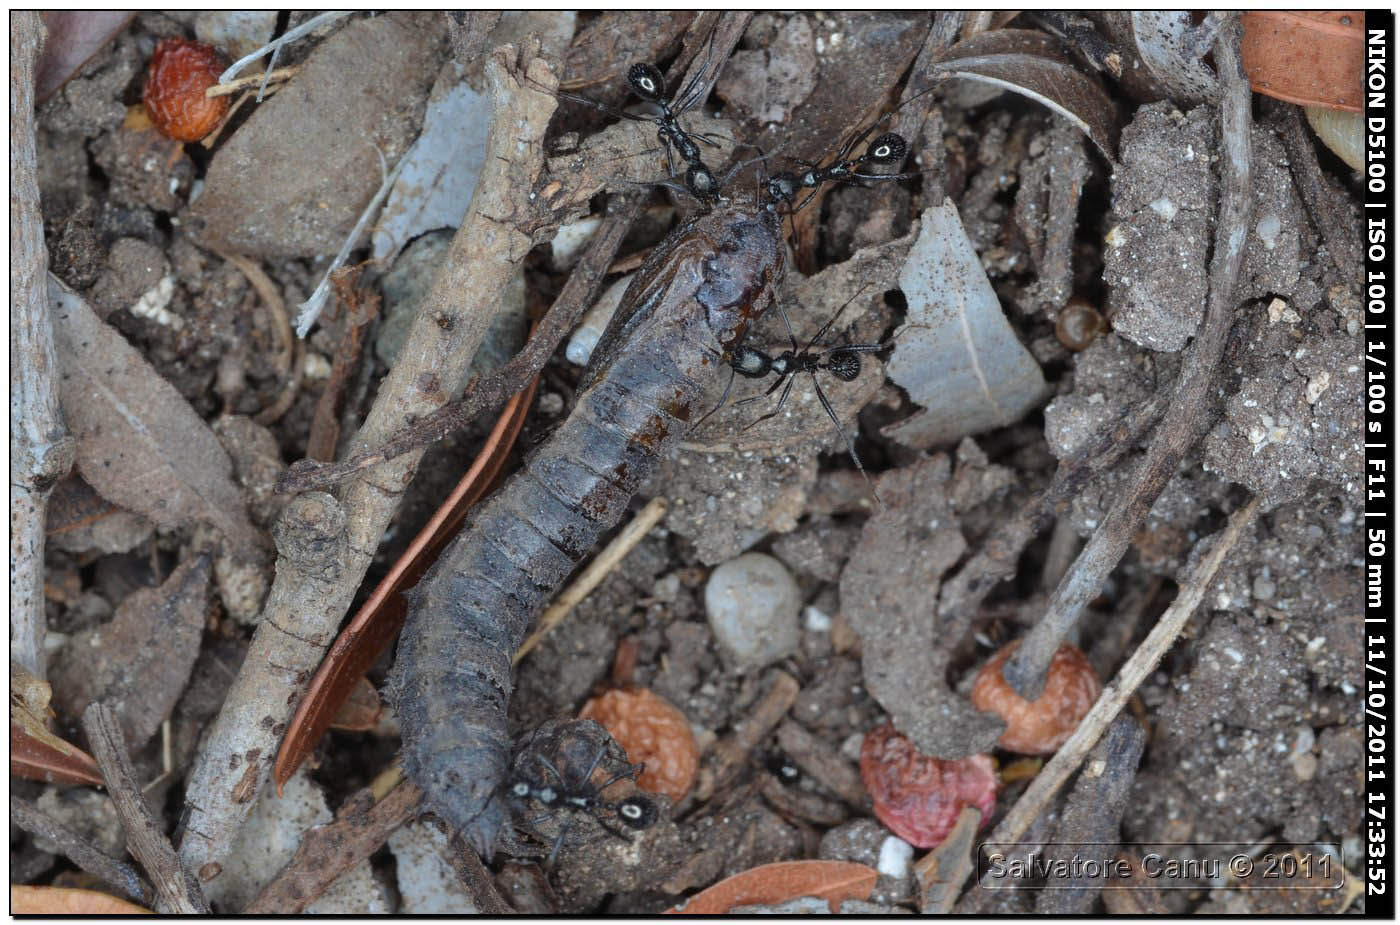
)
(1032, 64)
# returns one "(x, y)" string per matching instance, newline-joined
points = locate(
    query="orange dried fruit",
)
(653, 733)
(179, 73)
(1039, 727)
(918, 797)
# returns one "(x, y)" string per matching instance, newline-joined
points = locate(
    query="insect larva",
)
(690, 304)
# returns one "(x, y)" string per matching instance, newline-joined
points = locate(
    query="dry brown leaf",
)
(138, 662)
(943, 871)
(1312, 58)
(361, 711)
(74, 37)
(834, 881)
(1031, 63)
(35, 752)
(55, 900)
(140, 444)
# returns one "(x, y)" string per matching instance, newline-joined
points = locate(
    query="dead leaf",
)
(834, 881)
(1310, 58)
(964, 365)
(54, 900)
(138, 662)
(905, 647)
(943, 871)
(606, 47)
(75, 504)
(140, 444)
(1031, 63)
(74, 36)
(361, 710)
(438, 174)
(35, 752)
(1163, 39)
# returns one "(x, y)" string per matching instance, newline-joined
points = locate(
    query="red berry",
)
(653, 733)
(918, 797)
(1038, 727)
(179, 73)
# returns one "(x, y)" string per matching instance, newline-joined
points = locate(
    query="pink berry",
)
(918, 797)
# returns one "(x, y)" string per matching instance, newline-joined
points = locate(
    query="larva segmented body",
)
(690, 304)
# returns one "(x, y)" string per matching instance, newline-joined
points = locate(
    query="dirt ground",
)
(1102, 253)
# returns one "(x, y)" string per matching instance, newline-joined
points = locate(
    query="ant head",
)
(647, 82)
(887, 149)
(637, 812)
(782, 187)
(701, 183)
(746, 361)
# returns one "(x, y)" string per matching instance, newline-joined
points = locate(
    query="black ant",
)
(572, 788)
(648, 83)
(887, 148)
(843, 362)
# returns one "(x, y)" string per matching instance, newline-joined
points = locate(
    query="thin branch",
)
(999, 553)
(1327, 209)
(327, 851)
(1025, 671)
(41, 450)
(1110, 703)
(276, 44)
(177, 890)
(466, 864)
(495, 390)
(311, 600)
(77, 849)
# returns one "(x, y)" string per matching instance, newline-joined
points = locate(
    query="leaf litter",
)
(960, 498)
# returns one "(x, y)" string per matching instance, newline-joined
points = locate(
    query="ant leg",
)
(558, 843)
(850, 444)
(688, 96)
(781, 400)
(727, 386)
(821, 332)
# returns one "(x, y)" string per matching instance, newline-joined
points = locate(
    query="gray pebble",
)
(752, 604)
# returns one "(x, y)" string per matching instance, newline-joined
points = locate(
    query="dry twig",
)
(177, 890)
(314, 588)
(41, 450)
(1025, 671)
(77, 849)
(1110, 703)
(327, 851)
(1327, 209)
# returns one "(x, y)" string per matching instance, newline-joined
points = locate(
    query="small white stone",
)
(1268, 228)
(752, 603)
(1163, 207)
(895, 855)
(1317, 385)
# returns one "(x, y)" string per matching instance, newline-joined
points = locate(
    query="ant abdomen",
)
(887, 149)
(646, 81)
(844, 365)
